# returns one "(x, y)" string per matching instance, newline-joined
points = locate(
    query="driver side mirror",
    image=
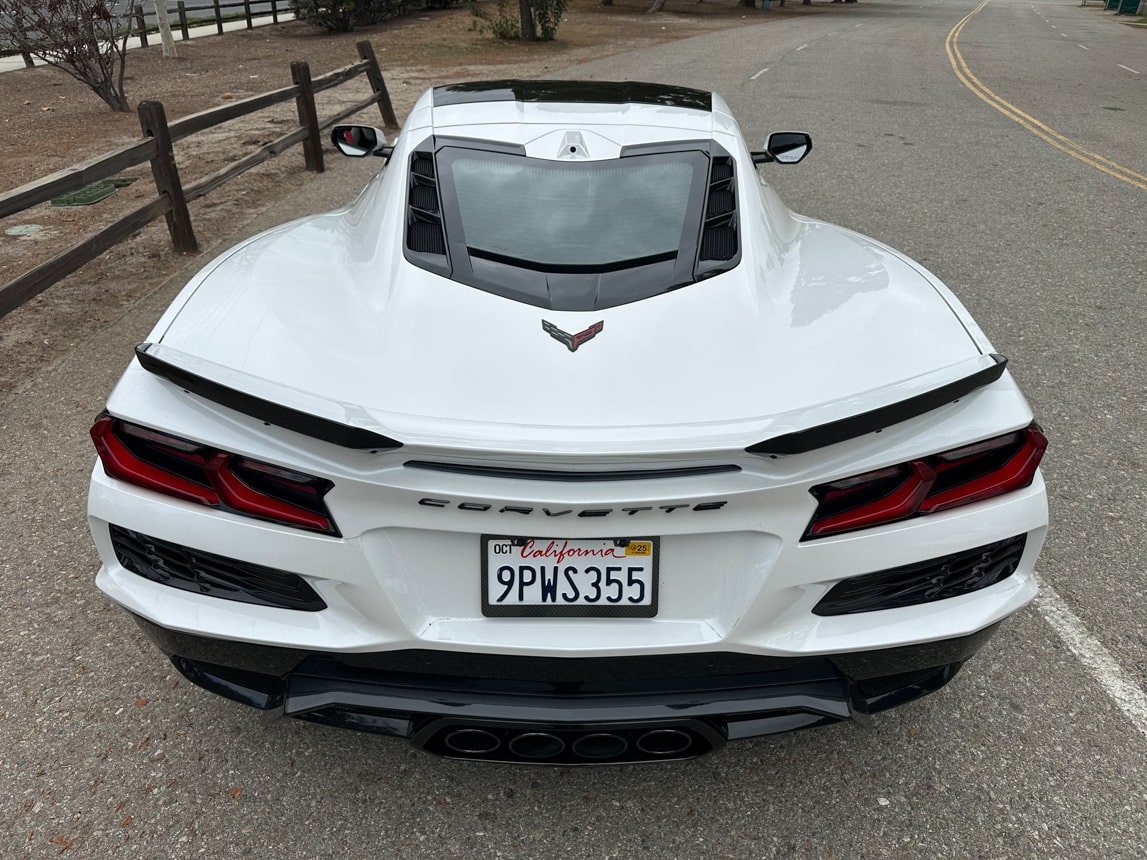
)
(784, 147)
(360, 140)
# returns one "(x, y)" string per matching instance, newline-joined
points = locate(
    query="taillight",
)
(198, 473)
(947, 480)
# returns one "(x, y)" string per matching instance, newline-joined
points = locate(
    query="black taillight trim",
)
(832, 432)
(207, 573)
(926, 581)
(313, 426)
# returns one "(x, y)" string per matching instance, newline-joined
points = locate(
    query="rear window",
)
(573, 214)
(572, 235)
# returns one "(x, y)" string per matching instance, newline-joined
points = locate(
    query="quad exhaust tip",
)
(568, 746)
(472, 742)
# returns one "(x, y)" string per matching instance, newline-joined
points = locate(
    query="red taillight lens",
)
(238, 495)
(197, 473)
(937, 483)
(157, 469)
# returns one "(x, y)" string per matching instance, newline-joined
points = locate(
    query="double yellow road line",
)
(1064, 144)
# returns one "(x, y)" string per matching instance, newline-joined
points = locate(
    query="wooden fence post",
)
(377, 83)
(142, 24)
(183, 20)
(275, 11)
(28, 61)
(308, 118)
(247, 14)
(153, 122)
(218, 17)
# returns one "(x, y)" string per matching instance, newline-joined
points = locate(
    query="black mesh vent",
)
(720, 203)
(722, 169)
(424, 233)
(423, 197)
(214, 575)
(719, 235)
(426, 238)
(719, 243)
(925, 581)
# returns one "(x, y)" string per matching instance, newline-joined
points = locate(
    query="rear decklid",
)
(310, 319)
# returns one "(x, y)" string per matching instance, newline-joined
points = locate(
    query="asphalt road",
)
(1036, 750)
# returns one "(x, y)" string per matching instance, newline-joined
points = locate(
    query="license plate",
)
(561, 577)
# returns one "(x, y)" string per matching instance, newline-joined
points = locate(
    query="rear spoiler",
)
(925, 393)
(324, 419)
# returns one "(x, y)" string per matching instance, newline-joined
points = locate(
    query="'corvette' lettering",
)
(588, 513)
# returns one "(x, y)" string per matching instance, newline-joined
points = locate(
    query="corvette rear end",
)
(619, 499)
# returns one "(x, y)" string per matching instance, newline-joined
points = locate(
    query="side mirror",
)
(784, 147)
(360, 140)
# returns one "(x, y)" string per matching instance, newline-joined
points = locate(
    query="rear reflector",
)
(207, 476)
(931, 484)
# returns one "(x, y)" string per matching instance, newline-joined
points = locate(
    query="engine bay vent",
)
(719, 233)
(424, 233)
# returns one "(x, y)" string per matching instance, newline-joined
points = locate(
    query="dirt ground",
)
(49, 121)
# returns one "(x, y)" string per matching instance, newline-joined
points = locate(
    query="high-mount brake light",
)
(940, 482)
(198, 473)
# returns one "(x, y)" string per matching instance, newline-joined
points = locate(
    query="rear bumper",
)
(592, 710)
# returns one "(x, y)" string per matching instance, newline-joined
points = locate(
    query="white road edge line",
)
(1085, 47)
(1128, 69)
(802, 47)
(1095, 658)
(758, 74)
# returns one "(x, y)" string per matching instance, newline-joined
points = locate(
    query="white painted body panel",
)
(326, 315)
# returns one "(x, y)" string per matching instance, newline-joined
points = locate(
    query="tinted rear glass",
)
(563, 214)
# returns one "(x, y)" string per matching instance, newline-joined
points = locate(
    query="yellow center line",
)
(1064, 144)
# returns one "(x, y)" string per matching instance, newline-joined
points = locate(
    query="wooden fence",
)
(156, 147)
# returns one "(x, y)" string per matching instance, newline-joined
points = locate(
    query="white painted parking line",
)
(1095, 658)
(802, 47)
(1128, 69)
(758, 74)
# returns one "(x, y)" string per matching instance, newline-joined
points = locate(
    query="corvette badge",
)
(572, 341)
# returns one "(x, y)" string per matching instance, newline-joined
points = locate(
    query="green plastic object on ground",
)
(93, 193)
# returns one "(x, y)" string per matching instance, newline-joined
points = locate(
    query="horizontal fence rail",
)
(156, 148)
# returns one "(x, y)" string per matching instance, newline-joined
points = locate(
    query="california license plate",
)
(561, 577)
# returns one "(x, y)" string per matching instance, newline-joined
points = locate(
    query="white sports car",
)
(568, 443)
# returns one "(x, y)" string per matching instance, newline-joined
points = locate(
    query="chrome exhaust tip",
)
(664, 742)
(472, 741)
(537, 745)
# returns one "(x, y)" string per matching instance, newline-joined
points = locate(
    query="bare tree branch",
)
(85, 38)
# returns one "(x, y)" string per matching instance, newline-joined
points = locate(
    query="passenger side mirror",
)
(784, 147)
(360, 140)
